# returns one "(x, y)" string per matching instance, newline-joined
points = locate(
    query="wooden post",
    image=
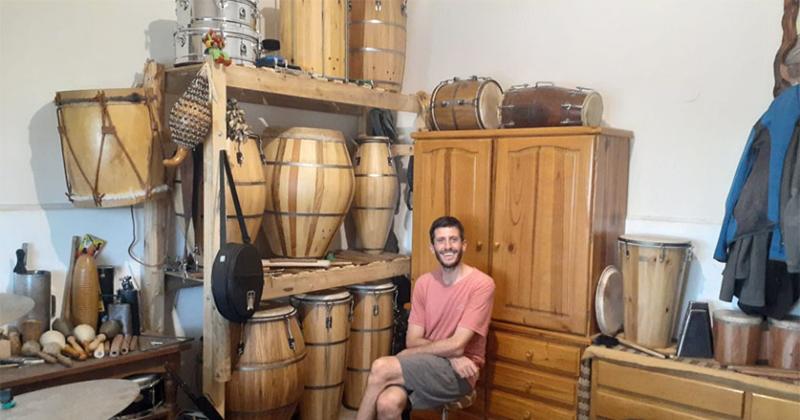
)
(155, 218)
(216, 330)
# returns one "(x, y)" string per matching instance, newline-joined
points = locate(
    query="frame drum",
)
(466, 104)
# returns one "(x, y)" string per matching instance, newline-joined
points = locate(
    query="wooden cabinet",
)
(542, 208)
(626, 386)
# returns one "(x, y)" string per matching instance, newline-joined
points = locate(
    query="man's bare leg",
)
(391, 403)
(385, 371)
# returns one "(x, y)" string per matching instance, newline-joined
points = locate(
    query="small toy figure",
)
(214, 43)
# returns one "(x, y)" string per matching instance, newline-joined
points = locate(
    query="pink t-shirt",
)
(440, 309)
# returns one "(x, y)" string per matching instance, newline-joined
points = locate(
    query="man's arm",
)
(451, 347)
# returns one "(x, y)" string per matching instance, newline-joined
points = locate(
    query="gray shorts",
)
(431, 381)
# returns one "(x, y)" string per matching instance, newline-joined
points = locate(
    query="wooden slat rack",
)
(284, 89)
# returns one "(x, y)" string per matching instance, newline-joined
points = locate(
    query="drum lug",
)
(289, 334)
(537, 84)
(404, 8)
(349, 5)
(445, 104)
(567, 121)
(473, 77)
(662, 254)
(184, 4)
(569, 106)
(242, 13)
(181, 39)
(376, 310)
(251, 300)
(378, 5)
(584, 89)
(243, 49)
(508, 124)
(221, 4)
(521, 86)
(507, 106)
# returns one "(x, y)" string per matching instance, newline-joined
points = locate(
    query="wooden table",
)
(155, 360)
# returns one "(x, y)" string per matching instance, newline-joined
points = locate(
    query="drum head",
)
(274, 311)
(736, 317)
(489, 99)
(609, 305)
(592, 111)
(791, 322)
(657, 241)
(324, 296)
(373, 287)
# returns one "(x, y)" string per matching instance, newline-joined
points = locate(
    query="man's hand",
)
(464, 367)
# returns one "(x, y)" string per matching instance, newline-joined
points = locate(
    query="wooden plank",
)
(276, 286)
(216, 331)
(156, 217)
(402, 150)
(519, 132)
(767, 407)
(300, 91)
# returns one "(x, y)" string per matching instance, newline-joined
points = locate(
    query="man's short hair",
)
(446, 221)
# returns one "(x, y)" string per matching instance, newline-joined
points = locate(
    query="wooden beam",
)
(216, 331)
(276, 286)
(259, 85)
(156, 214)
(402, 149)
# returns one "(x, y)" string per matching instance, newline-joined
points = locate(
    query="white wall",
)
(688, 77)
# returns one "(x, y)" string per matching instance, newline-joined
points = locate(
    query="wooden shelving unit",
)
(285, 89)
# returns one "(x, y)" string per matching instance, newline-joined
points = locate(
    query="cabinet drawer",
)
(692, 393)
(766, 407)
(532, 383)
(536, 353)
(610, 405)
(507, 406)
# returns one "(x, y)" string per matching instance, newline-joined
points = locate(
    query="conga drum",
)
(110, 146)
(376, 193)
(737, 337)
(784, 337)
(377, 40)
(469, 104)
(370, 335)
(309, 189)
(653, 274)
(545, 105)
(325, 319)
(314, 35)
(267, 380)
(251, 187)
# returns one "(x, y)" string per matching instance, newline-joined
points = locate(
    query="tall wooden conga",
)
(251, 187)
(267, 381)
(376, 193)
(110, 146)
(325, 319)
(314, 35)
(377, 39)
(370, 335)
(654, 271)
(309, 189)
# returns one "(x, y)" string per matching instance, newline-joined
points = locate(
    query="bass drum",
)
(377, 42)
(466, 104)
(241, 44)
(545, 105)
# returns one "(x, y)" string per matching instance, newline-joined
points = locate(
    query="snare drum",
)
(545, 105)
(466, 104)
(204, 12)
(241, 44)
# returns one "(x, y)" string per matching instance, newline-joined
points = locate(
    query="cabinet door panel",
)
(451, 177)
(541, 231)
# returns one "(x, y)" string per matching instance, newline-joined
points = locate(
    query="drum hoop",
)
(653, 244)
(375, 175)
(318, 387)
(379, 50)
(373, 139)
(791, 322)
(210, 19)
(315, 299)
(224, 31)
(288, 312)
(253, 367)
(372, 329)
(484, 82)
(371, 208)
(133, 98)
(377, 22)
(374, 288)
(306, 138)
(433, 103)
(308, 164)
(294, 213)
(329, 343)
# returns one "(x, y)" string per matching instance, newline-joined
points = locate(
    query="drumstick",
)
(33, 349)
(115, 345)
(54, 349)
(126, 344)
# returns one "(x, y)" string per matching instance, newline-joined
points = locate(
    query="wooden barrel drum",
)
(267, 381)
(309, 189)
(784, 337)
(737, 337)
(110, 146)
(325, 319)
(376, 193)
(314, 35)
(653, 273)
(377, 40)
(469, 104)
(545, 105)
(370, 335)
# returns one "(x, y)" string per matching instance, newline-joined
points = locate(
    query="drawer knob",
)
(479, 246)
(527, 415)
(529, 355)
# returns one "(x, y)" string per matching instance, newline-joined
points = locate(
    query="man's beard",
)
(454, 264)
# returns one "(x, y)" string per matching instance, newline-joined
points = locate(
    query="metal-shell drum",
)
(240, 12)
(240, 43)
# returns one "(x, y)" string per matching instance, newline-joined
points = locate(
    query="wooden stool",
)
(465, 402)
